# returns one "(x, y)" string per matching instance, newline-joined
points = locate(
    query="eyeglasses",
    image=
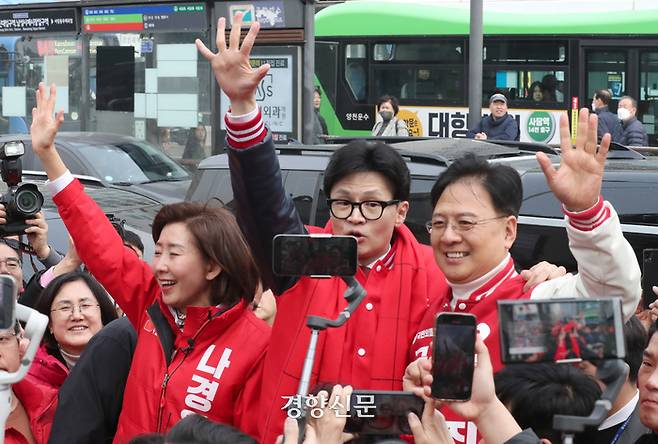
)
(68, 310)
(461, 225)
(12, 263)
(370, 209)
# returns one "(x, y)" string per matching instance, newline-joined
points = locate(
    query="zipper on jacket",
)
(163, 393)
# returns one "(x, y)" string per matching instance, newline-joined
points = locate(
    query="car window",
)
(420, 208)
(133, 162)
(303, 186)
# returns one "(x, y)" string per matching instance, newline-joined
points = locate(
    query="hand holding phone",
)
(375, 412)
(649, 275)
(320, 255)
(453, 359)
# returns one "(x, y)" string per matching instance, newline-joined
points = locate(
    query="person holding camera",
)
(199, 343)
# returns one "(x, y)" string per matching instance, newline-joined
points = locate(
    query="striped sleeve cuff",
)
(246, 130)
(589, 219)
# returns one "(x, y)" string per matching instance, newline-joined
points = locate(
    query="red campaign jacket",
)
(507, 284)
(211, 367)
(48, 369)
(40, 402)
(370, 351)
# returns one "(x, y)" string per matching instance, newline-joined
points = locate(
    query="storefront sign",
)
(168, 17)
(38, 20)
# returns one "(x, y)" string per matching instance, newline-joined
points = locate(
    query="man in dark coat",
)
(633, 132)
(498, 125)
(608, 122)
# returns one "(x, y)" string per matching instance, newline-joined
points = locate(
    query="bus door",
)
(604, 68)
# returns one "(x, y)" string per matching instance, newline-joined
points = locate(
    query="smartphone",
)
(317, 255)
(561, 330)
(373, 412)
(649, 274)
(8, 296)
(453, 356)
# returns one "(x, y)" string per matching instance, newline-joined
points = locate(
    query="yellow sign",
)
(574, 125)
(413, 122)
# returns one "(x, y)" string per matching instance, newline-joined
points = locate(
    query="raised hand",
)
(577, 183)
(231, 66)
(45, 123)
(37, 235)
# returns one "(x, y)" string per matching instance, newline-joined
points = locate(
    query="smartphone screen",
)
(453, 356)
(649, 275)
(7, 302)
(314, 255)
(561, 330)
(382, 412)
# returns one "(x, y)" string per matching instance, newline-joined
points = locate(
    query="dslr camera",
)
(22, 200)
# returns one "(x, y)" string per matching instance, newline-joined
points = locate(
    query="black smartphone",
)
(318, 255)
(561, 330)
(8, 296)
(453, 360)
(649, 275)
(373, 412)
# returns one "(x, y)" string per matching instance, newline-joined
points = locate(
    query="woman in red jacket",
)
(199, 343)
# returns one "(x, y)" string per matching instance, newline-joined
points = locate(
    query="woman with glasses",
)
(78, 307)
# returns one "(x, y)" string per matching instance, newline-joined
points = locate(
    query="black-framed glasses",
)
(370, 209)
(461, 225)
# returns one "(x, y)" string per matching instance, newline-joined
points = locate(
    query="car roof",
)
(89, 138)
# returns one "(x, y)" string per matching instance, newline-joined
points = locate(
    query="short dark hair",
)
(148, 438)
(394, 102)
(502, 182)
(534, 393)
(317, 90)
(633, 101)
(603, 95)
(636, 339)
(219, 239)
(195, 429)
(132, 238)
(45, 303)
(361, 156)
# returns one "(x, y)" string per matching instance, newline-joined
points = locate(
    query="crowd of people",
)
(203, 354)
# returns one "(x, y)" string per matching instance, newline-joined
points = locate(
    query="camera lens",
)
(28, 200)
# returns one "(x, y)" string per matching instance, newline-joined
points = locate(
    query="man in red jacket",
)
(368, 187)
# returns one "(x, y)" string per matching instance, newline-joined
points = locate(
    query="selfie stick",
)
(613, 374)
(354, 295)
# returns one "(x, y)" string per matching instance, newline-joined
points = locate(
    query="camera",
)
(22, 200)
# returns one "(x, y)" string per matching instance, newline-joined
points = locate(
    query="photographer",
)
(368, 186)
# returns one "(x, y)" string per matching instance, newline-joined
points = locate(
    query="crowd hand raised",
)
(432, 428)
(541, 272)
(329, 427)
(231, 66)
(417, 376)
(45, 123)
(37, 235)
(70, 262)
(577, 182)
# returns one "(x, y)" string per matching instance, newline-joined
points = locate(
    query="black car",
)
(113, 160)
(630, 184)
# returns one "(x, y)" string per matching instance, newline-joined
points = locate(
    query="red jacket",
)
(210, 367)
(370, 351)
(48, 369)
(40, 402)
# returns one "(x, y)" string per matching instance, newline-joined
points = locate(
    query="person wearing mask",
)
(498, 125)
(368, 185)
(633, 132)
(608, 122)
(77, 307)
(387, 124)
(199, 343)
(319, 124)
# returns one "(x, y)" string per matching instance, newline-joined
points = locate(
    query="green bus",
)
(418, 52)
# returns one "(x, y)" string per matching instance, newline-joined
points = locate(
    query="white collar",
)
(464, 291)
(622, 414)
(371, 264)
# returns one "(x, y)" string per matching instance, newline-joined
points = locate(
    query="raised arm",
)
(263, 207)
(128, 279)
(606, 262)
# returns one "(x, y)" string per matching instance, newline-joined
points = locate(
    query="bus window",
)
(355, 70)
(514, 51)
(440, 52)
(647, 109)
(528, 86)
(606, 70)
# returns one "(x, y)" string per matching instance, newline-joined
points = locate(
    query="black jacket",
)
(608, 123)
(91, 397)
(633, 133)
(504, 128)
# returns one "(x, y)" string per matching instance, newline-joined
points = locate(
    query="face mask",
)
(593, 106)
(386, 115)
(623, 113)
